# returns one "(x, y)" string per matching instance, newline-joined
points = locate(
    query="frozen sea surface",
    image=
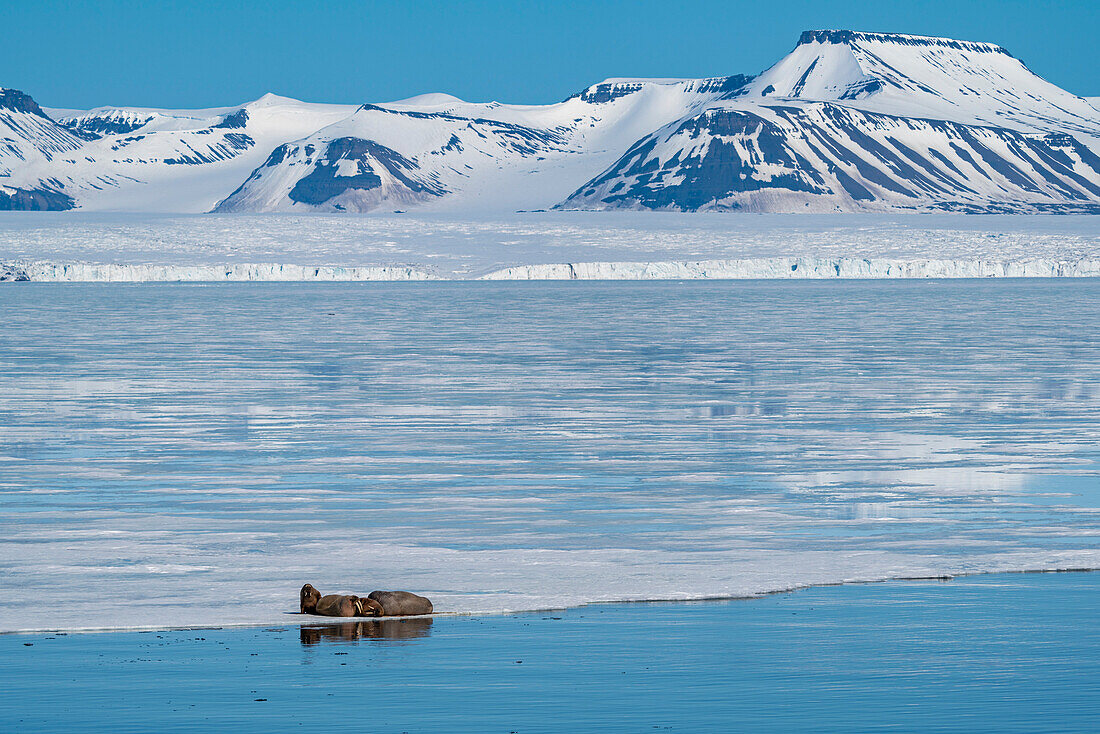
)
(999, 653)
(541, 244)
(191, 454)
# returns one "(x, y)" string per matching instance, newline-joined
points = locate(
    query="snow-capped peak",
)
(942, 78)
(269, 100)
(430, 99)
(847, 121)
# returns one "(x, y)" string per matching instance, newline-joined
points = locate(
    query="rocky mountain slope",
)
(847, 121)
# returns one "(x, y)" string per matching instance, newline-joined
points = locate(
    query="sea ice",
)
(175, 455)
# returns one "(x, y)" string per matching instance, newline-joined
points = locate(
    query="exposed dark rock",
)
(609, 91)
(98, 127)
(728, 86)
(230, 146)
(606, 92)
(34, 200)
(844, 37)
(853, 155)
(12, 274)
(863, 89)
(13, 99)
(323, 183)
(235, 120)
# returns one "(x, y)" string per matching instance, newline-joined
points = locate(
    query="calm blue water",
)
(191, 454)
(1001, 653)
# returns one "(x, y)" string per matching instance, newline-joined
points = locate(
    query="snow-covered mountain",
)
(440, 152)
(917, 76)
(861, 121)
(386, 157)
(179, 160)
(820, 156)
(31, 146)
(846, 122)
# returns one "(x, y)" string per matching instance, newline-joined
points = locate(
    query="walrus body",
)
(338, 605)
(341, 605)
(309, 598)
(400, 603)
(376, 604)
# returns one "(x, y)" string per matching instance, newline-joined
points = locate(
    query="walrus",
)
(369, 607)
(400, 603)
(309, 598)
(338, 605)
(347, 605)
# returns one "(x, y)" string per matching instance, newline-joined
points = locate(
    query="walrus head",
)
(309, 597)
(365, 607)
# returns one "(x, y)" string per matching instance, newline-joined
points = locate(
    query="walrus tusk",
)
(368, 607)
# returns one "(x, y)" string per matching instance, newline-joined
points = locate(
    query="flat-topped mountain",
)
(962, 81)
(847, 121)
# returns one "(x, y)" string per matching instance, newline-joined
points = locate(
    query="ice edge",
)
(85, 272)
(803, 268)
(767, 268)
(313, 620)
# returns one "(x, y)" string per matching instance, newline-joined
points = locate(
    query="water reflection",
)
(375, 629)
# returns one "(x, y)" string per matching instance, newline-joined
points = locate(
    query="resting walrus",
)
(375, 604)
(347, 605)
(400, 603)
(309, 598)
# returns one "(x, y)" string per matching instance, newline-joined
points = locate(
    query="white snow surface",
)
(610, 245)
(443, 154)
(918, 81)
(179, 160)
(920, 76)
(476, 157)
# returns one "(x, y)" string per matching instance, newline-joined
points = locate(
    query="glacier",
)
(85, 272)
(73, 246)
(799, 268)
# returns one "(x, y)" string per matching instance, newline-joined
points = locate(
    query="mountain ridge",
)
(846, 36)
(847, 121)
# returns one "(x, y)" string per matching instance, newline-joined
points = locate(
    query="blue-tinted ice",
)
(182, 454)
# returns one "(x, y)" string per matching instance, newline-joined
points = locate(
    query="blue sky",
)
(81, 53)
